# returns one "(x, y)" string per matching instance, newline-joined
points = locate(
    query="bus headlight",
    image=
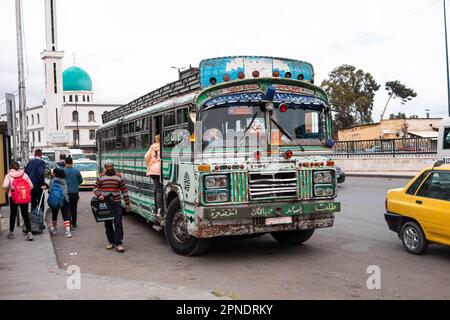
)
(214, 182)
(323, 177)
(216, 196)
(324, 191)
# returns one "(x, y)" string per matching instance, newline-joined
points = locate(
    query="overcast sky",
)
(129, 47)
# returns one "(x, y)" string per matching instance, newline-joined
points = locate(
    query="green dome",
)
(76, 79)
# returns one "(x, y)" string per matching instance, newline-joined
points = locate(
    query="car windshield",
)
(221, 125)
(78, 156)
(87, 166)
(303, 125)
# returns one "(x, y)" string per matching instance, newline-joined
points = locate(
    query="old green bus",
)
(246, 144)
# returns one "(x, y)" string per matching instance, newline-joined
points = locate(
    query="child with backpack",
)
(58, 199)
(18, 185)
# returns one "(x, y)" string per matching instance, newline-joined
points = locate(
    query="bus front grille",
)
(266, 186)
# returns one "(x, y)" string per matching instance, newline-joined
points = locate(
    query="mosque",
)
(68, 115)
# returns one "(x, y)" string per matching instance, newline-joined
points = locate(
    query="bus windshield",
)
(302, 125)
(295, 125)
(221, 125)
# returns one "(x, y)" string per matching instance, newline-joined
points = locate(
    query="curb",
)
(381, 175)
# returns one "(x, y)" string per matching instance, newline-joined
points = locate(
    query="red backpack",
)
(21, 192)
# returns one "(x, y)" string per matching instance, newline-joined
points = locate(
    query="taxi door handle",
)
(419, 202)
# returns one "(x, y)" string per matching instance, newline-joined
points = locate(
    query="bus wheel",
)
(177, 234)
(292, 237)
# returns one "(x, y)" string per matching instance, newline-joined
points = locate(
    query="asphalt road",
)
(333, 264)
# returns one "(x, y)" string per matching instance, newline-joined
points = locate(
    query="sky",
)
(129, 47)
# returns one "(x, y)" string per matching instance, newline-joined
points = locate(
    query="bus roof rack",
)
(189, 81)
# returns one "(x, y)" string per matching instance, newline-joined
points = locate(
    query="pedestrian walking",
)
(58, 199)
(61, 164)
(112, 183)
(73, 181)
(19, 186)
(153, 161)
(35, 169)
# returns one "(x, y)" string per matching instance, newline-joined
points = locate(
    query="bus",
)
(444, 141)
(245, 151)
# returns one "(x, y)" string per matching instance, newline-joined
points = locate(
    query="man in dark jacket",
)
(35, 169)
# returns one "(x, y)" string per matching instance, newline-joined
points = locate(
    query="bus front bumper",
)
(265, 218)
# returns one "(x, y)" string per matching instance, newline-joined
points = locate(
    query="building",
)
(392, 129)
(68, 115)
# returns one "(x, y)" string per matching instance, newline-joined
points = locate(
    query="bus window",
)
(182, 116)
(132, 142)
(138, 125)
(169, 119)
(146, 140)
(446, 145)
(147, 124)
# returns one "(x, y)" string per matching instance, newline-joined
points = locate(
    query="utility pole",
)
(446, 56)
(22, 98)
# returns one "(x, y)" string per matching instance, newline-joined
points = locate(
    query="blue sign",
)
(218, 70)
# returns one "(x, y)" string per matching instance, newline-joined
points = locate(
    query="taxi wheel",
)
(413, 238)
(177, 235)
(292, 237)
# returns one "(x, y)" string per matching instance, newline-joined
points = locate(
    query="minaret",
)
(53, 127)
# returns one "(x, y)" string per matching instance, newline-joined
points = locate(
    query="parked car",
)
(340, 174)
(420, 212)
(88, 170)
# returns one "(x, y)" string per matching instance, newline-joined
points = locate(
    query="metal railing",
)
(386, 147)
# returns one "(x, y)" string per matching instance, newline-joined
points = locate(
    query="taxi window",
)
(437, 186)
(413, 188)
(446, 138)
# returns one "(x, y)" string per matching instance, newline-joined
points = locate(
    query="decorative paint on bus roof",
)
(218, 70)
(258, 97)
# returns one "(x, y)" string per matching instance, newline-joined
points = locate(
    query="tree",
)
(351, 94)
(398, 90)
(400, 115)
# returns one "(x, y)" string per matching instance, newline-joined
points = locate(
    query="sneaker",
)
(120, 248)
(52, 229)
(10, 235)
(110, 246)
(73, 227)
(30, 236)
(68, 234)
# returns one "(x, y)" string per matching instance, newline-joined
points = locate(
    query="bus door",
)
(156, 129)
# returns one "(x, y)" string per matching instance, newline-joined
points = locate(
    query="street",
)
(333, 264)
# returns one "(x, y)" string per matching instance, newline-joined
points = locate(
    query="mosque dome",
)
(76, 79)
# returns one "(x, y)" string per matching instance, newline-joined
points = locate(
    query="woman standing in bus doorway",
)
(153, 161)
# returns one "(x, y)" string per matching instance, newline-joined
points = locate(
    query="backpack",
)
(21, 191)
(56, 198)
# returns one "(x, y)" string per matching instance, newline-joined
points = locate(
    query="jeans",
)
(114, 228)
(73, 203)
(36, 197)
(13, 214)
(64, 211)
(158, 192)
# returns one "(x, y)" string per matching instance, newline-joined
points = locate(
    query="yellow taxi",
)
(420, 212)
(88, 170)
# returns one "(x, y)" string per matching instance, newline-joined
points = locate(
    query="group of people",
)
(28, 186)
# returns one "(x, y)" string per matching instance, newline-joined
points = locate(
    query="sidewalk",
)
(29, 271)
(382, 174)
